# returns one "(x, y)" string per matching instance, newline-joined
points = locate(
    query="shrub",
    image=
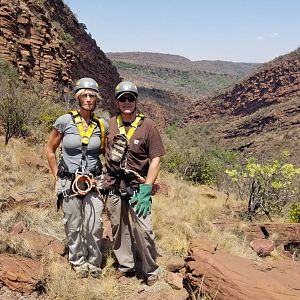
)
(19, 105)
(294, 213)
(193, 155)
(268, 187)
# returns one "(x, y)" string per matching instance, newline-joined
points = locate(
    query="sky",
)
(230, 30)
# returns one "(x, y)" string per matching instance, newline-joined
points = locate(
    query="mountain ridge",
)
(168, 61)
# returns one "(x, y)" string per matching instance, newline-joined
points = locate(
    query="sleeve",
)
(156, 147)
(60, 123)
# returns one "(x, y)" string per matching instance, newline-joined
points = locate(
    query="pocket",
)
(138, 145)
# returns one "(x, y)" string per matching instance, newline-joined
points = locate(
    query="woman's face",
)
(88, 100)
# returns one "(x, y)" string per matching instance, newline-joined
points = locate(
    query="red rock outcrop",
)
(20, 273)
(222, 276)
(44, 40)
(264, 106)
(275, 82)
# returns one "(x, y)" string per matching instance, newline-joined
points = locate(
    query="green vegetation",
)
(192, 154)
(193, 82)
(25, 109)
(268, 187)
(66, 37)
(294, 213)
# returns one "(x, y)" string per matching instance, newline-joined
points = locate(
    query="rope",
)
(82, 184)
(140, 178)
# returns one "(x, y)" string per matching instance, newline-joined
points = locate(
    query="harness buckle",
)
(65, 193)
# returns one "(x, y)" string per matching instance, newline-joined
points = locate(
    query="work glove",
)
(142, 200)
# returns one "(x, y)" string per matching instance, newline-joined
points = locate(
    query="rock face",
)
(223, 276)
(263, 106)
(274, 82)
(44, 40)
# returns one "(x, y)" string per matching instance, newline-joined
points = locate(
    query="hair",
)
(81, 91)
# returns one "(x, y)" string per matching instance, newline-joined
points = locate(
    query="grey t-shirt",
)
(71, 143)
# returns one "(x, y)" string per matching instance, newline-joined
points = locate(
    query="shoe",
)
(81, 270)
(119, 274)
(94, 271)
(151, 282)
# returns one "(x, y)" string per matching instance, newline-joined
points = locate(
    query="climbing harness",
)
(83, 180)
(133, 125)
(128, 136)
(86, 134)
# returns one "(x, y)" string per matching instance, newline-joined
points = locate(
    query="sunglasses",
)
(130, 98)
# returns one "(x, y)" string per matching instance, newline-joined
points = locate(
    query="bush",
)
(268, 187)
(192, 154)
(18, 105)
(294, 213)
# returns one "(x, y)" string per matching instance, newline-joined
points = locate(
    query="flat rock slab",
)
(224, 276)
(39, 243)
(19, 273)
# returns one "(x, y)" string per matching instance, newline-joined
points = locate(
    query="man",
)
(134, 148)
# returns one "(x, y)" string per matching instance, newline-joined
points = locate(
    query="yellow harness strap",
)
(102, 129)
(86, 134)
(133, 125)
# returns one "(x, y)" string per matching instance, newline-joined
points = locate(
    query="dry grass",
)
(62, 280)
(19, 176)
(37, 219)
(177, 218)
(186, 211)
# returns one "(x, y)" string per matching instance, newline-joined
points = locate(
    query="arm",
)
(53, 143)
(153, 170)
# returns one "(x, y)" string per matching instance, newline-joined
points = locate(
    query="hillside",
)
(174, 82)
(45, 41)
(178, 74)
(259, 114)
(181, 63)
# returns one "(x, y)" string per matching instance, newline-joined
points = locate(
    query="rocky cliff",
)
(262, 107)
(44, 40)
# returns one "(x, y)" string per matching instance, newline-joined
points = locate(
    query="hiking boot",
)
(81, 270)
(151, 282)
(95, 271)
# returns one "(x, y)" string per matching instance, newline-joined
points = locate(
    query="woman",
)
(77, 177)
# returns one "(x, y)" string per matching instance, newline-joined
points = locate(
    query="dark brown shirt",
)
(145, 144)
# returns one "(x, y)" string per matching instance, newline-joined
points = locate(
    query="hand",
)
(142, 200)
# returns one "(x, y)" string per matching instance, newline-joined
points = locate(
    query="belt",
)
(72, 175)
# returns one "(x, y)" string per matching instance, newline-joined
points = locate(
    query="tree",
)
(19, 107)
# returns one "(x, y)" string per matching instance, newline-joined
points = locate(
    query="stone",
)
(20, 273)
(262, 247)
(223, 276)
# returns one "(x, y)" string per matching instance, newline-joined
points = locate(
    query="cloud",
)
(260, 38)
(274, 34)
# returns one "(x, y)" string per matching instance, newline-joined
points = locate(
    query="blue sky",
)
(232, 30)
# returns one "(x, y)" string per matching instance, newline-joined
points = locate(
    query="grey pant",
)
(83, 226)
(119, 209)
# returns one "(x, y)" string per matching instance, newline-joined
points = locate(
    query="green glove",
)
(142, 200)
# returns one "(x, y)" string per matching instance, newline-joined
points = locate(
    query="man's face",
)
(127, 103)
